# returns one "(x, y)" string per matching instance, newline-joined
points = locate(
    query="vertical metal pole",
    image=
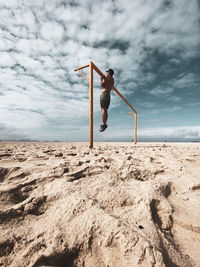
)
(135, 128)
(91, 104)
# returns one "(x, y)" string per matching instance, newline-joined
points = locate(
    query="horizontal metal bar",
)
(82, 67)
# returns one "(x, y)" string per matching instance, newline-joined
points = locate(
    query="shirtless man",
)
(107, 83)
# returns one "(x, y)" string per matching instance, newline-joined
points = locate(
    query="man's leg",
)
(104, 115)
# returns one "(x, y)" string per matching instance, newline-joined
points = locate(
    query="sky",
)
(152, 46)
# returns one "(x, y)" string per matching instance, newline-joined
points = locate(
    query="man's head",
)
(110, 71)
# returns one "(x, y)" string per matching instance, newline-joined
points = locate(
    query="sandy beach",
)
(118, 204)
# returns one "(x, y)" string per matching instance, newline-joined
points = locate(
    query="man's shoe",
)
(103, 127)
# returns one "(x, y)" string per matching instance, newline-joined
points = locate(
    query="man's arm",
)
(103, 81)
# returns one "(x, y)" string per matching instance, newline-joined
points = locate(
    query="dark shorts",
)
(105, 99)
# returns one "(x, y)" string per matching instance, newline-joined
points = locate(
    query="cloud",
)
(186, 80)
(180, 133)
(168, 33)
(174, 98)
(7, 60)
(161, 91)
(52, 31)
(41, 42)
(12, 134)
(172, 109)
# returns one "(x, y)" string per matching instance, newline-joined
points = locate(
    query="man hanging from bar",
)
(107, 83)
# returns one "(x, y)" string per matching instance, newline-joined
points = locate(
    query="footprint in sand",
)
(6, 247)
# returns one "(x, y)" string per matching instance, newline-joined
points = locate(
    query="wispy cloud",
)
(161, 91)
(186, 80)
(174, 98)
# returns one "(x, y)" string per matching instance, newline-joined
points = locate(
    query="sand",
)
(119, 204)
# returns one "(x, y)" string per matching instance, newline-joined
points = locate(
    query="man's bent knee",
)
(104, 109)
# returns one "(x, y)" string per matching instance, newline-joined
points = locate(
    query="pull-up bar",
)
(90, 80)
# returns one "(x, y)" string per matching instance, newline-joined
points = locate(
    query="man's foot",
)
(103, 127)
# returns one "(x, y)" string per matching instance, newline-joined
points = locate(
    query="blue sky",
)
(153, 47)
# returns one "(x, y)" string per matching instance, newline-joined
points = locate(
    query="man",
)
(107, 83)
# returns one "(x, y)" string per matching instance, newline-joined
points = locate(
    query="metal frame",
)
(92, 67)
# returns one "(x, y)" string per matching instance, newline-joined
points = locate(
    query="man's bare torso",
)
(107, 83)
